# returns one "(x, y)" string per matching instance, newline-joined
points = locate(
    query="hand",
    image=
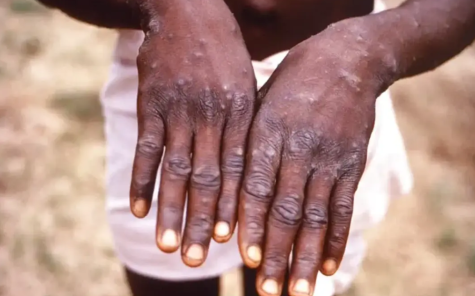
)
(196, 97)
(306, 155)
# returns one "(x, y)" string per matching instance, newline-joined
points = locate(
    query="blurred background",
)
(53, 235)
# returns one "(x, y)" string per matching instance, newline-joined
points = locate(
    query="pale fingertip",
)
(254, 253)
(302, 287)
(270, 287)
(140, 208)
(222, 230)
(329, 267)
(195, 253)
(169, 240)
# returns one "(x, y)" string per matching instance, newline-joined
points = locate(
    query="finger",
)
(308, 249)
(148, 154)
(175, 174)
(263, 160)
(203, 194)
(283, 223)
(232, 165)
(341, 210)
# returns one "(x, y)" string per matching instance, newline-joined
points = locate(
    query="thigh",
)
(144, 286)
(249, 277)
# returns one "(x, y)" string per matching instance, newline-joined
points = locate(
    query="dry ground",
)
(53, 236)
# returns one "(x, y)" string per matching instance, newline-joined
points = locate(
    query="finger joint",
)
(149, 147)
(206, 178)
(275, 262)
(178, 167)
(208, 106)
(287, 211)
(259, 188)
(342, 209)
(233, 166)
(315, 216)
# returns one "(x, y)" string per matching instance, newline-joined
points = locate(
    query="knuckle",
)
(208, 105)
(206, 178)
(351, 177)
(287, 212)
(148, 147)
(342, 209)
(315, 216)
(302, 143)
(260, 181)
(241, 104)
(233, 165)
(259, 186)
(153, 99)
(178, 167)
(273, 124)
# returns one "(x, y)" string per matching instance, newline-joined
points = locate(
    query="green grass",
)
(440, 195)
(57, 205)
(447, 239)
(353, 291)
(44, 256)
(18, 247)
(471, 260)
(25, 6)
(80, 106)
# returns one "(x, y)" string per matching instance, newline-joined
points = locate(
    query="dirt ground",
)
(53, 237)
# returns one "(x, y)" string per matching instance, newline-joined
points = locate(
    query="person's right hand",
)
(196, 97)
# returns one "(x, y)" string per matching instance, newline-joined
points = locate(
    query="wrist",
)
(160, 14)
(355, 46)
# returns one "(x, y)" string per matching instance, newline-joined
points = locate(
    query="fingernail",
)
(221, 229)
(195, 252)
(140, 207)
(270, 287)
(254, 253)
(329, 266)
(302, 287)
(169, 239)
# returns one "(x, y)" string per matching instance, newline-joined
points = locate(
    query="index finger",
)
(148, 154)
(341, 211)
(257, 190)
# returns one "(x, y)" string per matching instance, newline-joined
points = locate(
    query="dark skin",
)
(305, 133)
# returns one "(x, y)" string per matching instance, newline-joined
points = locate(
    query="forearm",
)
(142, 14)
(123, 14)
(420, 35)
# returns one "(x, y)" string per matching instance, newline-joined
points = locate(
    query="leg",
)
(249, 278)
(144, 286)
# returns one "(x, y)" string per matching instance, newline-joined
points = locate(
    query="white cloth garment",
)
(387, 175)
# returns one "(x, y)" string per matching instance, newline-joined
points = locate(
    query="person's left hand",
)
(306, 155)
